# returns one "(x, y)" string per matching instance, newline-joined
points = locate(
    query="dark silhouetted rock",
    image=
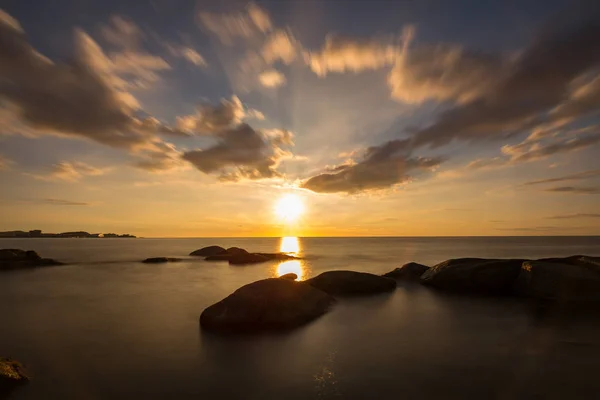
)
(350, 283)
(575, 279)
(267, 305)
(474, 275)
(19, 259)
(247, 258)
(12, 374)
(236, 251)
(208, 251)
(160, 260)
(410, 272)
(238, 256)
(289, 276)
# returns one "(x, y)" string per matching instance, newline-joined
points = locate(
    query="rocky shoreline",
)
(283, 304)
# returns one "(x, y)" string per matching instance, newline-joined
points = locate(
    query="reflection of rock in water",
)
(326, 383)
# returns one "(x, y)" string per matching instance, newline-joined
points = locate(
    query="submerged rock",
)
(12, 374)
(410, 272)
(208, 251)
(19, 259)
(160, 260)
(474, 275)
(351, 283)
(289, 276)
(572, 279)
(266, 305)
(247, 258)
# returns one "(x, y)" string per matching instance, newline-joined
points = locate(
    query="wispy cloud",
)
(573, 216)
(573, 177)
(69, 172)
(575, 189)
(62, 202)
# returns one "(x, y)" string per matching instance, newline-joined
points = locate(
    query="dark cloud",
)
(381, 167)
(516, 95)
(241, 152)
(573, 177)
(575, 189)
(572, 216)
(535, 83)
(532, 150)
(86, 98)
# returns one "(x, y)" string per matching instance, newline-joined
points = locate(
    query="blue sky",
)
(191, 118)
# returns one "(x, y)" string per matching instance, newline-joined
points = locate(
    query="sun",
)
(289, 208)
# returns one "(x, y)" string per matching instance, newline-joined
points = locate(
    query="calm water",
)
(109, 327)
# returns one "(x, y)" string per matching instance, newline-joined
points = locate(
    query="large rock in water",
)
(208, 251)
(18, 259)
(474, 275)
(351, 283)
(12, 374)
(266, 305)
(410, 272)
(571, 279)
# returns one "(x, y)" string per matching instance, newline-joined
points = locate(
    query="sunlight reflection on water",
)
(291, 246)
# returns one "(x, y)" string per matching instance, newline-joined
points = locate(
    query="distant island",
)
(37, 233)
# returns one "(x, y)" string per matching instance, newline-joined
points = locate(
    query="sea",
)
(106, 326)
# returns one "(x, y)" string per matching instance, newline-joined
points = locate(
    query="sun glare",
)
(289, 208)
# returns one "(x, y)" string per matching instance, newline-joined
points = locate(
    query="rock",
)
(227, 255)
(350, 283)
(576, 279)
(410, 272)
(238, 256)
(289, 276)
(247, 258)
(236, 251)
(160, 260)
(208, 251)
(12, 374)
(19, 259)
(474, 275)
(266, 305)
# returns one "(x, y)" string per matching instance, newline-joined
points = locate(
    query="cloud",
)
(528, 150)
(228, 27)
(573, 216)
(382, 166)
(573, 177)
(535, 83)
(242, 152)
(122, 32)
(343, 54)
(62, 202)
(185, 52)
(280, 46)
(272, 78)
(442, 72)
(210, 119)
(84, 99)
(69, 172)
(5, 163)
(575, 189)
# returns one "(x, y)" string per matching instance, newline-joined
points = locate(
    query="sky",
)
(187, 118)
